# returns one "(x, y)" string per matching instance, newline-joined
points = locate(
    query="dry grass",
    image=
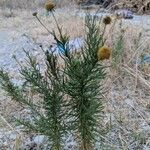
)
(31, 4)
(127, 99)
(24, 23)
(21, 3)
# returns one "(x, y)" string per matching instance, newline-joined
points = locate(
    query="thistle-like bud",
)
(107, 20)
(103, 53)
(34, 14)
(49, 6)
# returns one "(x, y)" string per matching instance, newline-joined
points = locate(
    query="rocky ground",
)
(138, 6)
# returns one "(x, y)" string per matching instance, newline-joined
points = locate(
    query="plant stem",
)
(103, 35)
(59, 29)
(43, 25)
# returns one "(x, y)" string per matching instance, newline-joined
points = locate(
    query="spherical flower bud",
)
(34, 14)
(103, 53)
(49, 6)
(107, 20)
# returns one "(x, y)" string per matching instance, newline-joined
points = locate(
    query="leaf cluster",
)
(69, 97)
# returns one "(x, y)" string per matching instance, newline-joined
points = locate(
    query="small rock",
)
(39, 139)
(125, 14)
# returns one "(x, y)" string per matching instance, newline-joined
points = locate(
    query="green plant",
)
(83, 85)
(118, 49)
(47, 115)
(69, 97)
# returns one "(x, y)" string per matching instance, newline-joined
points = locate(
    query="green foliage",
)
(82, 84)
(69, 97)
(49, 122)
(118, 49)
